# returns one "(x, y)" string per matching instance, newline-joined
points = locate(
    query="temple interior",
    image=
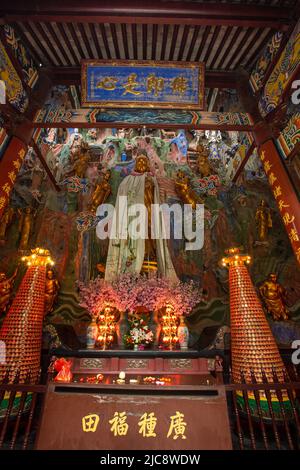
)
(149, 225)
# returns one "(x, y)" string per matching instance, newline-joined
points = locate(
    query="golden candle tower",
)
(253, 346)
(22, 327)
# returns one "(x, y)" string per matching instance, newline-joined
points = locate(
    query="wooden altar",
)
(187, 411)
(152, 361)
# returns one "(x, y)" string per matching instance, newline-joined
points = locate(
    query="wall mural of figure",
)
(232, 216)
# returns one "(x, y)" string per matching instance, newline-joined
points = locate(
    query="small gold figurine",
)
(101, 192)
(263, 220)
(25, 226)
(5, 221)
(6, 287)
(273, 296)
(81, 164)
(184, 190)
(52, 287)
(203, 165)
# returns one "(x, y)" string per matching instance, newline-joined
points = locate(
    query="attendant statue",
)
(6, 287)
(81, 164)
(184, 190)
(25, 226)
(52, 287)
(263, 220)
(101, 192)
(203, 165)
(5, 221)
(273, 296)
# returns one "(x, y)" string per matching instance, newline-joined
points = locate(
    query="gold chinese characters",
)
(146, 424)
(153, 84)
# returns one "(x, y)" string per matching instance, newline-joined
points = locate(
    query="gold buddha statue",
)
(203, 165)
(263, 220)
(273, 296)
(101, 192)
(184, 190)
(6, 287)
(51, 290)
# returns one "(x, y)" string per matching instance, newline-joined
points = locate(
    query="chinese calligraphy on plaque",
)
(145, 426)
(142, 84)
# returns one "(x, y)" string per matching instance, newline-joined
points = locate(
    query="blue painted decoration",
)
(142, 84)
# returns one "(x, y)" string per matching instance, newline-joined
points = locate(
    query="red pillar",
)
(283, 192)
(10, 165)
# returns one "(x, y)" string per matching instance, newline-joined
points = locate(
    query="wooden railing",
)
(20, 404)
(258, 427)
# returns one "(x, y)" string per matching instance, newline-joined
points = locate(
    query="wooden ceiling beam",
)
(51, 48)
(154, 12)
(154, 41)
(95, 39)
(76, 41)
(203, 42)
(134, 41)
(115, 40)
(125, 40)
(173, 41)
(183, 42)
(62, 49)
(164, 41)
(193, 42)
(105, 41)
(68, 43)
(212, 43)
(258, 23)
(220, 48)
(86, 41)
(145, 40)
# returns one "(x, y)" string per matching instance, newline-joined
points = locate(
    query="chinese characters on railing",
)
(145, 426)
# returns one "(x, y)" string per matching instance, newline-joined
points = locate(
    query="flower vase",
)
(183, 334)
(135, 347)
(91, 335)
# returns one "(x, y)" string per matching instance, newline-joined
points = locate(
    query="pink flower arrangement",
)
(133, 291)
(97, 295)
